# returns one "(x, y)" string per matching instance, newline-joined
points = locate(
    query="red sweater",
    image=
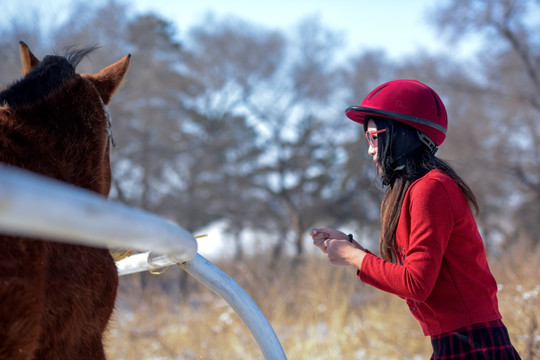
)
(441, 269)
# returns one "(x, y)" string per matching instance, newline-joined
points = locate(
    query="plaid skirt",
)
(484, 341)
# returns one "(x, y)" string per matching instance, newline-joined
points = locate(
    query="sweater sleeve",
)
(429, 212)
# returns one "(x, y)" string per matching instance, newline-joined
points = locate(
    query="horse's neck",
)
(25, 147)
(14, 143)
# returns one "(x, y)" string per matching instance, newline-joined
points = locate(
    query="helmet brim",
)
(359, 113)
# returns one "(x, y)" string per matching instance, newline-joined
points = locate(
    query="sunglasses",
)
(372, 140)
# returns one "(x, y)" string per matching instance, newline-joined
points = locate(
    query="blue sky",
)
(399, 27)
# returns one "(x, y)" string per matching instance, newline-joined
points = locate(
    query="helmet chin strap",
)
(427, 141)
(394, 167)
(404, 153)
(412, 147)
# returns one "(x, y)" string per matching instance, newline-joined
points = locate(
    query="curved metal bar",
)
(36, 206)
(221, 284)
(143, 262)
(78, 216)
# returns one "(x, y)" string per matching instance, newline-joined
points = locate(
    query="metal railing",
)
(35, 206)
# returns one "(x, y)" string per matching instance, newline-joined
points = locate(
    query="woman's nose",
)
(372, 150)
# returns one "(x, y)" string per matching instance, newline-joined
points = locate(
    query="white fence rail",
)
(35, 206)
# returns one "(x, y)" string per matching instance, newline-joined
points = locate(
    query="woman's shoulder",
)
(435, 180)
(439, 175)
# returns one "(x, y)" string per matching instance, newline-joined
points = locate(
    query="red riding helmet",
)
(407, 101)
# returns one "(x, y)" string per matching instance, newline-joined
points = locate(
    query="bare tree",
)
(285, 88)
(507, 84)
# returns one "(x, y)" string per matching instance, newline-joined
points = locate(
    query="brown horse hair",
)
(56, 299)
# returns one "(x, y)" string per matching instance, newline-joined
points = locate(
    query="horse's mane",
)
(52, 72)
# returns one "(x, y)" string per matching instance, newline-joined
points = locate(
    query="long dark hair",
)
(404, 159)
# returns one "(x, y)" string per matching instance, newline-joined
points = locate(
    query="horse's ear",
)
(28, 60)
(109, 79)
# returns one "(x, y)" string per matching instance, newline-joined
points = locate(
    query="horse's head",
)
(55, 121)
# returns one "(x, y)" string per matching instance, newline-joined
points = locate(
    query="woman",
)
(432, 253)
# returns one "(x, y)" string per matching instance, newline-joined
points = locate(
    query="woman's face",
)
(372, 150)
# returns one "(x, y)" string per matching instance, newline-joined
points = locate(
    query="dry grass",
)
(518, 274)
(318, 312)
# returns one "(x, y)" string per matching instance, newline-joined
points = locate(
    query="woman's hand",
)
(344, 253)
(340, 249)
(319, 237)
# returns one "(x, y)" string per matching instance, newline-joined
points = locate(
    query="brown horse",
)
(56, 299)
